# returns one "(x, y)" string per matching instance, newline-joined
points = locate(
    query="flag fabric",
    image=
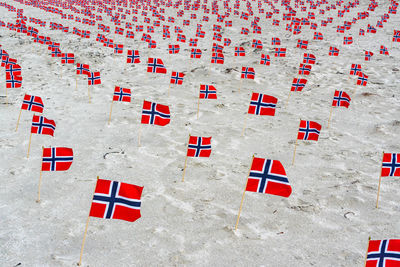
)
(269, 177)
(265, 60)
(177, 77)
(341, 99)
(32, 103)
(304, 69)
(207, 92)
(302, 44)
(240, 52)
(362, 79)
(116, 200)
(333, 51)
(82, 69)
(368, 55)
(280, 52)
(248, 73)
(199, 146)
(383, 253)
(173, 49)
(156, 65)
(298, 84)
(57, 158)
(309, 58)
(309, 130)
(195, 53)
(94, 78)
(133, 56)
(355, 69)
(122, 94)
(396, 36)
(390, 164)
(217, 58)
(13, 69)
(42, 125)
(154, 113)
(13, 81)
(261, 104)
(67, 58)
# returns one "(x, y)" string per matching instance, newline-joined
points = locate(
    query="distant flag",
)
(197, 147)
(396, 36)
(262, 104)
(195, 53)
(156, 65)
(309, 58)
(333, 51)
(206, 92)
(355, 69)
(383, 50)
(304, 69)
(309, 131)
(122, 94)
(280, 52)
(82, 69)
(347, 40)
(133, 57)
(67, 58)
(94, 78)
(173, 49)
(248, 73)
(340, 99)
(390, 167)
(114, 200)
(239, 52)
(318, 36)
(385, 253)
(30, 103)
(298, 84)
(13, 81)
(41, 125)
(268, 177)
(217, 58)
(368, 55)
(362, 79)
(303, 44)
(177, 77)
(154, 113)
(265, 60)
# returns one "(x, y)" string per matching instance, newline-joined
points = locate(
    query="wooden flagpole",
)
(184, 168)
(240, 86)
(366, 254)
(330, 116)
(295, 146)
(29, 146)
(198, 107)
(19, 117)
(76, 82)
(109, 118)
(6, 96)
(244, 192)
(379, 185)
(40, 178)
(140, 133)
(88, 92)
(287, 101)
(86, 227)
(245, 121)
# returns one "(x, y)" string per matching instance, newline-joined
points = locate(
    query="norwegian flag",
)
(227, 42)
(318, 36)
(55, 52)
(383, 50)
(341, 99)
(265, 60)
(362, 79)
(257, 44)
(383, 253)
(6, 60)
(67, 58)
(333, 51)
(32, 103)
(173, 49)
(14, 70)
(298, 84)
(207, 92)
(304, 69)
(13, 81)
(280, 52)
(240, 52)
(122, 94)
(261, 104)
(152, 44)
(248, 73)
(396, 36)
(118, 48)
(269, 177)
(199, 146)
(347, 40)
(368, 55)
(156, 65)
(133, 56)
(116, 200)
(41, 125)
(275, 41)
(309, 130)
(94, 78)
(195, 53)
(355, 69)
(57, 158)
(309, 58)
(217, 58)
(82, 69)
(154, 113)
(177, 77)
(302, 44)
(390, 164)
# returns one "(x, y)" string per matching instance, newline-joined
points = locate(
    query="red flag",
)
(309, 130)
(261, 104)
(42, 125)
(156, 65)
(33, 103)
(199, 146)
(57, 158)
(385, 253)
(207, 92)
(154, 113)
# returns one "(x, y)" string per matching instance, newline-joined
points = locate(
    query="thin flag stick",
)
(244, 126)
(19, 117)
(294, 152)
(184, 168)
(240, 86)
(6, 96)
(40, 178)
(198, 106)
(330, 116)
(379, 185)
(366, 254)
(88, 92)
(76, 82)
(140, 133)
(109, 118)
(244, 192)
(287, 101)
(84, 235)
(29, 146)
